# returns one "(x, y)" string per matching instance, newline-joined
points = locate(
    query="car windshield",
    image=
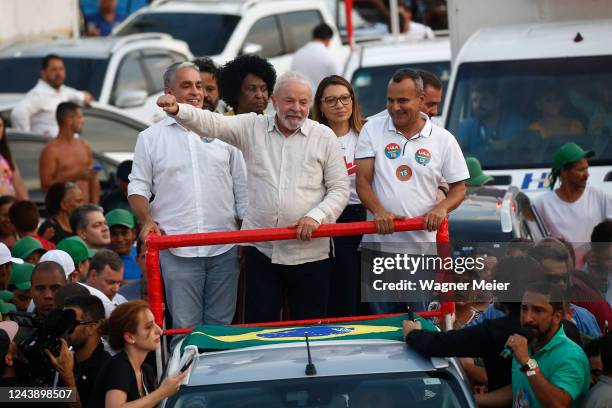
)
(206, 34)
(19, 75)
(435, 390)
(371, 83)
(516, 114)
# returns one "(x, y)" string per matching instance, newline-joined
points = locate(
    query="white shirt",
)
(348, 143)
(289, 177)
(36, 111)
(574, 221)
(408, 171)
(418, 31)
(199, 184)
(109, 305)
(315, 61)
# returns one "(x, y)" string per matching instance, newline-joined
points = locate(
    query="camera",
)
(41, 336)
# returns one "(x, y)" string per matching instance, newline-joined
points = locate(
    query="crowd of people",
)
(314, 161)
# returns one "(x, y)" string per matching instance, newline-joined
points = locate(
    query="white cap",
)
(5, 255)
(62, 258)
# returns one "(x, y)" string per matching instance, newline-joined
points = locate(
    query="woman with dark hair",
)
(8, 236)
(125, 380)
(246, 83)
(61, 200)
(336, 106)
(11, 182)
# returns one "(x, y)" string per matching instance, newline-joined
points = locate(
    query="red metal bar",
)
(274, 234)
(157, 242)
(348, 9)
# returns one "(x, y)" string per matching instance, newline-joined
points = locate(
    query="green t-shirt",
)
(563, 364)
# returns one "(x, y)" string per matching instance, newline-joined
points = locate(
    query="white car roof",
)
(236, 7)
(226, 7)
(101, 47)
(537, 41)
(391, 52)
(288, 360)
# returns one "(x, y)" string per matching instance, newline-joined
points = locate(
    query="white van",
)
(372, 64)
(537, 74)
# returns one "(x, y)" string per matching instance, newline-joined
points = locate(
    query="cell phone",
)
(187, 364)
(98, 167)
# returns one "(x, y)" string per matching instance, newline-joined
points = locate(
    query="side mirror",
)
(131, 98)
(251, 48)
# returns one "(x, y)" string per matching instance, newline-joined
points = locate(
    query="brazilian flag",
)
(213, 337)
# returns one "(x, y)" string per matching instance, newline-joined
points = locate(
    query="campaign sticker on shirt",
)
(422, 156)
(403, 173)
(392, 151)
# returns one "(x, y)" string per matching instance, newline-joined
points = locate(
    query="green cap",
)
(21, 276)
(121, 217)
(7, 307)
(477, 177)
(6, 295)
(26, 246)
(568, 153)
(76, 248)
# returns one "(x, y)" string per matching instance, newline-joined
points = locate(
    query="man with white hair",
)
(297, 178)
(197, 187)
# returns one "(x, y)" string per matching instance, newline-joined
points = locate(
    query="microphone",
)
(528, 333)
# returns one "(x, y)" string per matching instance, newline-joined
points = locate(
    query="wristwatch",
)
(530, 367)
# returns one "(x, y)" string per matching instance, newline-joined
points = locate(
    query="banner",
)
(213, 337)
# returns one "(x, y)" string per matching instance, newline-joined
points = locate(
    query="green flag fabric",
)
(214, 337)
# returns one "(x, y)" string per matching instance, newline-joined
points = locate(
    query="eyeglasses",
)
(331, 101)
(84, 322)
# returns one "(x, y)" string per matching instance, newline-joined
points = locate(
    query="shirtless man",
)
(67, 158)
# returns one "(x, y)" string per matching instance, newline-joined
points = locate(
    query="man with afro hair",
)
(246, 83)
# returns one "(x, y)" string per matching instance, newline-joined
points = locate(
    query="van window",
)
(206, 34)
(155, 63)
(266, 33)
(370, 83)
(130, 75)
(298, 26)
(516, 114)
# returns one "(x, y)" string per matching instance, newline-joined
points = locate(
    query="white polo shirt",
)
(407, 171)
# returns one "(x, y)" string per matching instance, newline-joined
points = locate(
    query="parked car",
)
(125, 72)
(349, 374)
(111, 135)
(224, 30)
(491, 217)
(372, 64)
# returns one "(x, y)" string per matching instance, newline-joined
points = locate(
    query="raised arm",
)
(235, 130)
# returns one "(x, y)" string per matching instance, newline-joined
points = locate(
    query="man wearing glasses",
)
(86, 342)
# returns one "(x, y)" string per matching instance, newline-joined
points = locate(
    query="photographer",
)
(86, 341)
